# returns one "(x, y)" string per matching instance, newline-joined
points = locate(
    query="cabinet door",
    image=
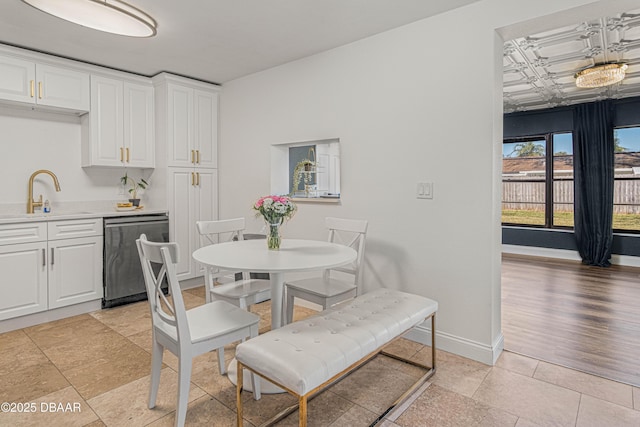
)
(206, 128)
(106, 128)
(75, 271)
(181, 212)
(23, 288)
(17, 80)
(206, 208)
(180, 126)
(139, 125)
(63, 88)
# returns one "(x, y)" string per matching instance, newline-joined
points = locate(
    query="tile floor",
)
(97, 367)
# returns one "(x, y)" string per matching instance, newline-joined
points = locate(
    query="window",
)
(528, 196)
(562, 180)
(523, 182)
(307, 170)
(626, 190)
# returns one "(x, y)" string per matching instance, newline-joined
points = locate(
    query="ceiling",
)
(539, 69)
(216, 40)
(221, 40)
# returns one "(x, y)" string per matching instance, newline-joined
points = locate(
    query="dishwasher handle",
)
(133, 224)
(120, 221)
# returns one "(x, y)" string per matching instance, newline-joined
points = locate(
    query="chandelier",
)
(601, 75)
(111, 16)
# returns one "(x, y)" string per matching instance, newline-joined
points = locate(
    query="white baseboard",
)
(630, 261)
(192, 283)
(541, 252)
(49, 316)
(625, 260)
(460, 346)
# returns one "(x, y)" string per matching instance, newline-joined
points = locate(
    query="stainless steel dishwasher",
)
(123, 280)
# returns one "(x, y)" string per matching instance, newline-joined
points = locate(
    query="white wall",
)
(421, 103)
(32, 140)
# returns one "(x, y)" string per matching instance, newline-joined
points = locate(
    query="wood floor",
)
(581, 317)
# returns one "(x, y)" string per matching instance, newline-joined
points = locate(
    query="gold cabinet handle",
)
(193, 178)
(193, 153)
(127, 154)
(198, 156)
(33, 88)
(121, 154)
(39, 90)
(52, 260)
(197, 178)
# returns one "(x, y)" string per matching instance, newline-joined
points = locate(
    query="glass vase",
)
(273, 239)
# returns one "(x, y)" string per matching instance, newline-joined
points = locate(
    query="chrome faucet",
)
(32, 203)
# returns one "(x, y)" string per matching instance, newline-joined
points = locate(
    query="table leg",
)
(277, 285)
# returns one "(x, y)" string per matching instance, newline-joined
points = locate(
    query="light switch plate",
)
(425, 190)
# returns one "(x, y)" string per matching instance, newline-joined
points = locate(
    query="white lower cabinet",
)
(75, 271)
(59, 264)
(23, 288)
(193, 197)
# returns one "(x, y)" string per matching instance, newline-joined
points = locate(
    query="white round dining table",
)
(294, 255)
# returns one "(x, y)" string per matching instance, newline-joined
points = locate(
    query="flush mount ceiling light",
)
(111, 16)
(601, 75)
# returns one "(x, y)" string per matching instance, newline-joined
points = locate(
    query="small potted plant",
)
(133, 191)
(303, 172)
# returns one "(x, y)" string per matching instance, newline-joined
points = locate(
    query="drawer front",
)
(27, 232)
(73, 228)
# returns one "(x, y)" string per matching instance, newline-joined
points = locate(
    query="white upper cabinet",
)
(190, 113)
(63, 88)
(46, 85)
(193, 118)
(119, 130)
(17, 80)
(139, 125)
(180, 126)
(205, 128)
(104, 140)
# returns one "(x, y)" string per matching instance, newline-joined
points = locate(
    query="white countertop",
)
(8, 214)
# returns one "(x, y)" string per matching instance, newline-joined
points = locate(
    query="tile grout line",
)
(578, 411)
(396, 413)
(538, 364)
(70, 384)
(165, 366)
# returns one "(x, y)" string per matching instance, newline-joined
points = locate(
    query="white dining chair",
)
(186, 333)
(222, 284)
(328, 290)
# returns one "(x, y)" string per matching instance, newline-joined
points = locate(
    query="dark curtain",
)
(593, 151)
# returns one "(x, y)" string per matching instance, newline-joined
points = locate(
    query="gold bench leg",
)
(239, 394)
(302, 407)
(433, 341)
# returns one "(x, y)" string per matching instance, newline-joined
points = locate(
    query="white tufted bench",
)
(305, 357)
